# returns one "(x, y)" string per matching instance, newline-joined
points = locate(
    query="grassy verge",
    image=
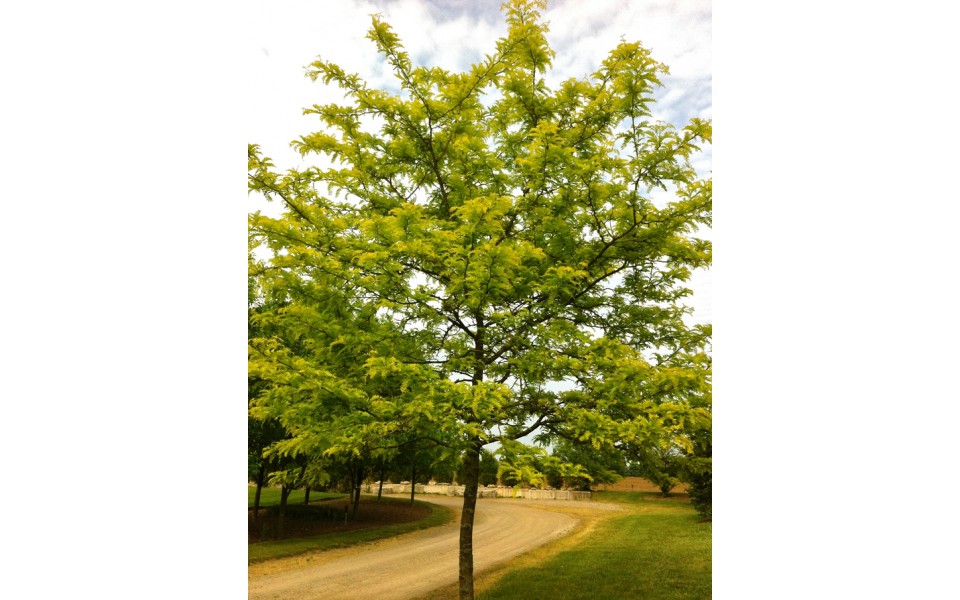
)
(271, 496)
(264, 551)
(657, 550)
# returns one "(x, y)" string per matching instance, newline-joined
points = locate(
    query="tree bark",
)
(471, 472)
(256, 496)
(383, 472)
(359, 481)
(413, 483)
(306, 495)
(284, 494)
(471, 476)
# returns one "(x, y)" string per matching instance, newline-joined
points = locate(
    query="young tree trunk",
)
(383, 472)
(256, 497)
(306, 495)
(351, 487)
(413, 483)
(471, 473)
(356, 501)
(284, 494)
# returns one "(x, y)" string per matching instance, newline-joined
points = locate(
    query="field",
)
(654, 549)
(659, 550)
(637, 484)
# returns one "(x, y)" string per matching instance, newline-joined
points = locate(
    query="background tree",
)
(260, 436)
(414, 462)
(501, 237)
(319, 349)
(262, 433)
(669, 457)
(448, 468)
(489, 467)
(603, 465)
(521, 465)
(662, 466)
(697, 472)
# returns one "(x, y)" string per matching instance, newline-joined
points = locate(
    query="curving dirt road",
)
(412, 565)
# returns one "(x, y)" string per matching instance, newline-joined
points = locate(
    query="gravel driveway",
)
(412, 565)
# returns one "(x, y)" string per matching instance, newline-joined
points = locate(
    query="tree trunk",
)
(471, 473)
(284, 494)
(413, 483)
(306, 495)
(471, 476)
(359, 482)
(383, 472)
(256, 496)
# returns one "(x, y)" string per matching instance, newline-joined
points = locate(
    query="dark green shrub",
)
(698, 473)
(701, 490)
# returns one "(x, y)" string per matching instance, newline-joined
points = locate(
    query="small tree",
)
(698, 473)
(502, 236)
(415, 460)
(662, 466)
(599, 466)
(488, 467)
(522, 466)
(260, 436)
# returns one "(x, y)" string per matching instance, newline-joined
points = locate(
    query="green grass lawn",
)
(270, 496)
(657, 550)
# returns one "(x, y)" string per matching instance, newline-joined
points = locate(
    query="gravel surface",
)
(412, 565)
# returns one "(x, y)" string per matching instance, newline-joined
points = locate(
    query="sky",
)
(286, 37)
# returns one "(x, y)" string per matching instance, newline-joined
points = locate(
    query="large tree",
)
(501, 237)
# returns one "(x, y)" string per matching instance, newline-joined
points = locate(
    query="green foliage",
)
(661, 465)
(503, 244)
(522, 466)
(605, 465)
(421, 457)
(472, 241)
(260, 435)
(489, 467)
(698, 473)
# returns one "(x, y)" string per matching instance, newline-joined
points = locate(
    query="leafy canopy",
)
(481, 257)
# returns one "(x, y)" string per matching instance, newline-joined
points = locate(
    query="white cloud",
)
(285, 37)
(677, 33)
(452, 44)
